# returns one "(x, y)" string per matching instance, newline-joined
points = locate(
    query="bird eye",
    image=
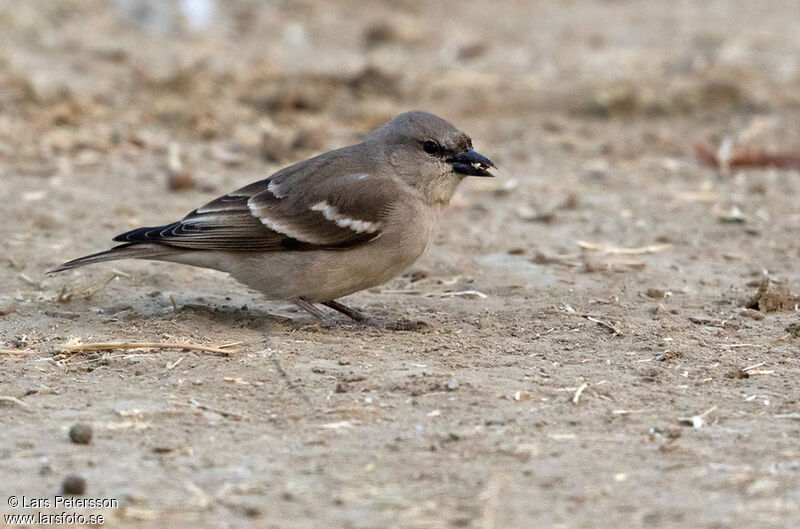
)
(431, 147)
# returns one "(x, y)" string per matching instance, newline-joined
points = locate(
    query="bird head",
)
(429, 153)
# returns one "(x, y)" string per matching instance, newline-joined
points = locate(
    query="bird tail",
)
(123, 251)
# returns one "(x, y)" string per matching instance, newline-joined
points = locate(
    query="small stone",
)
(452, 385)
(180, 181)
(772, 297)
(379, 34)
(655, 293)
(80, 434)
(794, 329)
(6, 307)
(75, 485)
(253, 511)
(418, 275)
(473, 50)
(668, 355)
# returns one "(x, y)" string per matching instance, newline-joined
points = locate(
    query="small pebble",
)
(753, 314)
(80, 434)
(253, 511)
(418, 275)
(75, 485)
(180, 181)
(380, 34)
(452, 385)
(6, 307)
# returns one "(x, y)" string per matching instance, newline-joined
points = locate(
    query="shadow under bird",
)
(321, 229)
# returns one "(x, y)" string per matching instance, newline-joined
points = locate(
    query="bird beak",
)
(471, 163)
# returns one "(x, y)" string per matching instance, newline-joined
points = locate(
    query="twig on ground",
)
(627, 412)
(748, 368)
(175, 363)
(13, 400)
(102, 346)
(610, 327)
(15, 352)
(225, 413)
(790, 416)
(569, 310)
(653, 248)
(696, 421)
(752, 370)
(577, 396)
(85, 291)
(739, 157)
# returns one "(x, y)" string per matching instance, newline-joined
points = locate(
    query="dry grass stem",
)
(103, 346)
(617, 250)
(578, 392)
(225, 413)
(13, 400)
(697, 421)
(15, 352)
(610, 327)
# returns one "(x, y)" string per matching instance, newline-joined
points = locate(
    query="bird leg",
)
(347, 311)
(311, 308)
(358, 316)
(327, 320)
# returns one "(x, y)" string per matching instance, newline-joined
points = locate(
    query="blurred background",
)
(240, 80)
(614, 317)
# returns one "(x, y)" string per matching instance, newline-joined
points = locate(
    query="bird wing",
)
(288, 211)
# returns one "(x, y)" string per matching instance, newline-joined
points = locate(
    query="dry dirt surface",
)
(591, 359)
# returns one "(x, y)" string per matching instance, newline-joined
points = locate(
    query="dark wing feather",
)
(290, 210)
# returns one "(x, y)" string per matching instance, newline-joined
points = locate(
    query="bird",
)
(324, 228)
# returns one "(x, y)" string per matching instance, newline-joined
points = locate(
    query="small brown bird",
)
(340, 222)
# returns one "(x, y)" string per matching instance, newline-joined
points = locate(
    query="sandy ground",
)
(588, 388)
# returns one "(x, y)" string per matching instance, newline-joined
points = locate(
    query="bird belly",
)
(324, 275)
